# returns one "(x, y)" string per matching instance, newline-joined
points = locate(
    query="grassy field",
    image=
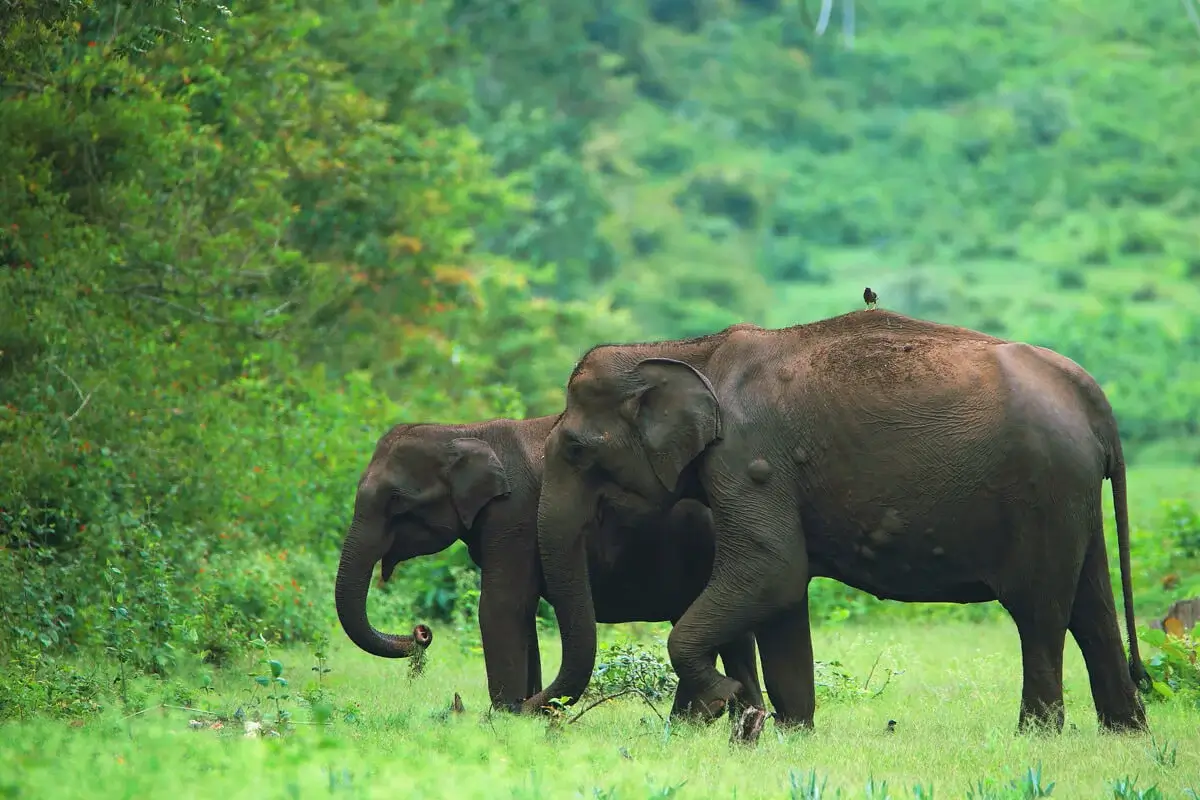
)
(955, 700)
(955, 704)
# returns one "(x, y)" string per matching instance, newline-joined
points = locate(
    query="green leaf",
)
(262, 680)
(276, 668)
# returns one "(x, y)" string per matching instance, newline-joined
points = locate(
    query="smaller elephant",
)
(428, 485)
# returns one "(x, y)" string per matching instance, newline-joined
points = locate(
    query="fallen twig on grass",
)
(607, 697)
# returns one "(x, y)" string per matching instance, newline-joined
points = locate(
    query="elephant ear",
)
(475, 475)
(676, 411)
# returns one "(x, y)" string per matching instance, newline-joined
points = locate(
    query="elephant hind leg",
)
(1096, 630)
(1043, 631)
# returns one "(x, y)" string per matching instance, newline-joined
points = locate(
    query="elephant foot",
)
(748, 726)
(1135, 725)
(1043, 722)
(716, 699)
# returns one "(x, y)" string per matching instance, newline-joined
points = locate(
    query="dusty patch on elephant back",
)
(748, 725)
(759, 470)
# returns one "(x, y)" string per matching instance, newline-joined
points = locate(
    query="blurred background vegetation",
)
(237, 244)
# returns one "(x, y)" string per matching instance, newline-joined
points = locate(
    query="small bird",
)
(869, 297)
(891, 726)
(457, 705)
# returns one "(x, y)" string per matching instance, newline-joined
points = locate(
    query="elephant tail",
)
(1116, 474)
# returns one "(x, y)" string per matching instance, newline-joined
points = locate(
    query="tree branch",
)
(622, 693)
(84, 399)
(823, 19)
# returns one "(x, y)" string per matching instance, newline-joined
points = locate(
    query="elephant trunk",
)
(350, 595)
(562, 547)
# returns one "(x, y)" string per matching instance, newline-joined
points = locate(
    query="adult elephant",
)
(428, 485)
(916, 461)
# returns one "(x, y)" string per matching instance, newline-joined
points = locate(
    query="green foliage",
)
(223, 290)
(1026, 787)
(624, 667)
(1175, 667)
(1126, 789)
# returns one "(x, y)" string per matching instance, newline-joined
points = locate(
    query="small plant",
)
(806, 788)
(1124, 789)
(316, 695)
(1175, 669)
(1165, 755)
(1030, 785)
(833, 682)
(922, 792)
(625, 667)
(1027, 787)
(665, 791)
(875, 791)
(274, 682)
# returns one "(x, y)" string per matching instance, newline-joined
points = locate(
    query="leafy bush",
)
(628, 667)
(1174, 669)
(219, 284)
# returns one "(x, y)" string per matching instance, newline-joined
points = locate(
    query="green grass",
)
(955, 704)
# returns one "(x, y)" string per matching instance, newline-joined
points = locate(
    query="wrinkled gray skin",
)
(429, 485)
(915, 461)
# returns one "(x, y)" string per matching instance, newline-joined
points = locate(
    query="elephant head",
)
(631, 429)
(420, 492)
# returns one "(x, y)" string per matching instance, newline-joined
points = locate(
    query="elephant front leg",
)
(760, 570)
(509, 641)
(686, 707)
(533, 657)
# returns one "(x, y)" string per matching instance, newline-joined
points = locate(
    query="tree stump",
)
(748, 725)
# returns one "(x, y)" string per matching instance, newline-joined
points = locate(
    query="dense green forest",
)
(237, 244)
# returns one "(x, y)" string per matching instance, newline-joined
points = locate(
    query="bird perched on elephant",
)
(916, 461)
(429, 485)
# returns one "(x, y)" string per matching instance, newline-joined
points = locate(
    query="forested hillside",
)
(236, 244)
(1029, 171)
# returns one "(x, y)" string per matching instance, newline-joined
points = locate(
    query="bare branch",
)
(622, 693)
(84, 399)
(823, 19)
(201, 315)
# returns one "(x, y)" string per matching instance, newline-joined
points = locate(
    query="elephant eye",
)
(574, 451)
